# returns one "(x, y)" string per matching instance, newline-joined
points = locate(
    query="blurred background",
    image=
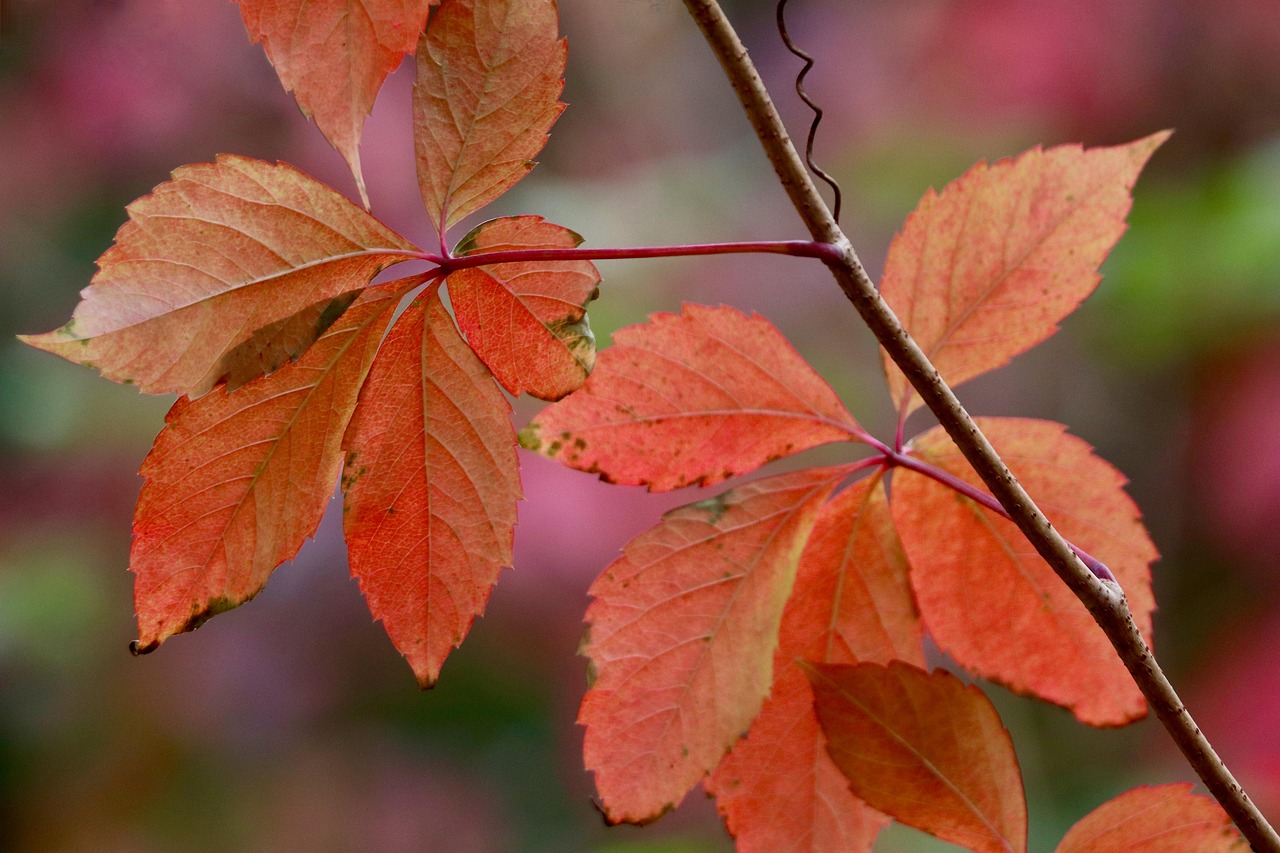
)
(292, 724)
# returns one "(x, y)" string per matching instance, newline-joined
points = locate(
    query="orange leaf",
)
(334, 55)
(527, 321)
(992, 602)
(987, 269)
(225, 253)
(1159, 819)
(682, 634)
(926, 749)
(490, 74)
(779, 789)
(431, 484)
(687, 398)
(236, 482)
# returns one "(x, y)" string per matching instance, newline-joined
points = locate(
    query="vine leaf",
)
(228, 270)
(1155, 819)
(527, 321)
(490, 73)
(992, 602)
(431, 484)
(682, 634)
(924, 748)
(236, 482)
(986, 269)
(334, 56)
(695, 397)
(779, 789)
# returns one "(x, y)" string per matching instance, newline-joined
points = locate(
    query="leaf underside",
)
(992, 602)
(682, 633)
(334, 56)
(779, 790)
(490, 73)
(926, 749)
(236, 482)
(228, 269)
(430, 484)
(986, 269)
(1155, 819)
(695, 397)
(527, 321)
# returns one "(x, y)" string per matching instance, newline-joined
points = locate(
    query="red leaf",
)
(682, 634)
(490, 74)
(992, 602)
(527, 321)
(431, 485)
(225, 253)
(236, 482)
(987, 269)
(779, 789)
(687, 398)
(1159, 819)
(926, 749)
(334, 55)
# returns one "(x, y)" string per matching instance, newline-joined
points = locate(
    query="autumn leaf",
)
(779, 790)
(986, 269)
(431, 484)
(925, 749)
(682, 634)
(216, 257)
(527, 321)
(334, 55)
(236, 482)
(490, 73)
(992, 602)
(695, 397)
(1155, 819)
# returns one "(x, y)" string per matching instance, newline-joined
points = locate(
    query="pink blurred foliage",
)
(117, 87)
(1237, 459)
(1236, 700)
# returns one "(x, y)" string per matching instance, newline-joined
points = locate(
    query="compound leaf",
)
(236, 482)
(926, 749)
(490, 73)
(527, 320)
(986, 269)
(226, 271)
(334, 55)
(431, 484)
(992, 602)
(682, 634)
(695, 397)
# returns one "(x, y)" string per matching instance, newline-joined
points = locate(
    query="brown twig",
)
(1105, 601)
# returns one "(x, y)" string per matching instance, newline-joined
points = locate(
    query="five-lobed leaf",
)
(778, 789)
(490, 73)
(926, 749)
(236, 482)
(228, 270)
(527, 320)
(431, 484)
(334, 55)
(682, 634)
(1155, 819)
(695, 397)
(992, 602)
(986, 269)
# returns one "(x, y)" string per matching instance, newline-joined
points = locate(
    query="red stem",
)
(795, 248)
